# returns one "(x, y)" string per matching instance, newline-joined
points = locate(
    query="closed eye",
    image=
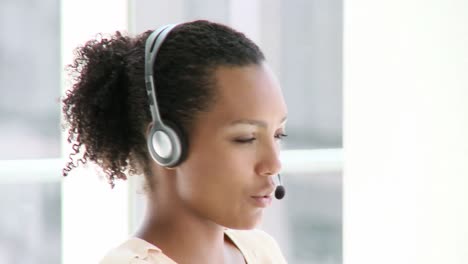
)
(280, 136)
(252, 139)
(245, 140)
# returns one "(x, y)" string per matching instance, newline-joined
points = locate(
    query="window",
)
(30, 189)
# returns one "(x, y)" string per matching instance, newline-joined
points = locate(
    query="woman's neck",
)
(187, 238)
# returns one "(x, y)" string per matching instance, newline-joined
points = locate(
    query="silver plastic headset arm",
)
(153, 44)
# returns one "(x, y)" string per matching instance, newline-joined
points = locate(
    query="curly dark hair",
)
(107, 110)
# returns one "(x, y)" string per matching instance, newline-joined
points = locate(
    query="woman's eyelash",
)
(250, 140)
(246, 140)
(281, 136)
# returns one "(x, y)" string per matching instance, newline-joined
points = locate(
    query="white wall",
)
(406, 131)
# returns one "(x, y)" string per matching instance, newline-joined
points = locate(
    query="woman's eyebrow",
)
(254, 122)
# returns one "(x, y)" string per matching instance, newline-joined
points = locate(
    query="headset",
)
(166, 142)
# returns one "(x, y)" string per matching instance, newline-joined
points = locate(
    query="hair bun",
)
(96, 106)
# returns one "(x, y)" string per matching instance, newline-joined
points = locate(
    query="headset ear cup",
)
(167, 144)
(183, 141)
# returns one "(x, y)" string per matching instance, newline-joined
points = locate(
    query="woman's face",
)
(234, 149)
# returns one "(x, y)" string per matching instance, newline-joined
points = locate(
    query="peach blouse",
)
(257, 247)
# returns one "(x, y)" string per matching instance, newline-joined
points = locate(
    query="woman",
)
(207, 143)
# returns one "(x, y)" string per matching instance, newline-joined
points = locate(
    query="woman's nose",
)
(269, 162)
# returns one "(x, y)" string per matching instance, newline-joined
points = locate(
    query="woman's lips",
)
(262, 201)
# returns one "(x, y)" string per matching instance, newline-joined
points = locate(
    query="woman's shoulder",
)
(135, 251)
(257, 245)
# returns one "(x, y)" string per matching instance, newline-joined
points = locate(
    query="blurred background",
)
(381, 85)
(47, 219)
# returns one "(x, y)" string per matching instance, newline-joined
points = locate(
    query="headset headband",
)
(153, 44)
